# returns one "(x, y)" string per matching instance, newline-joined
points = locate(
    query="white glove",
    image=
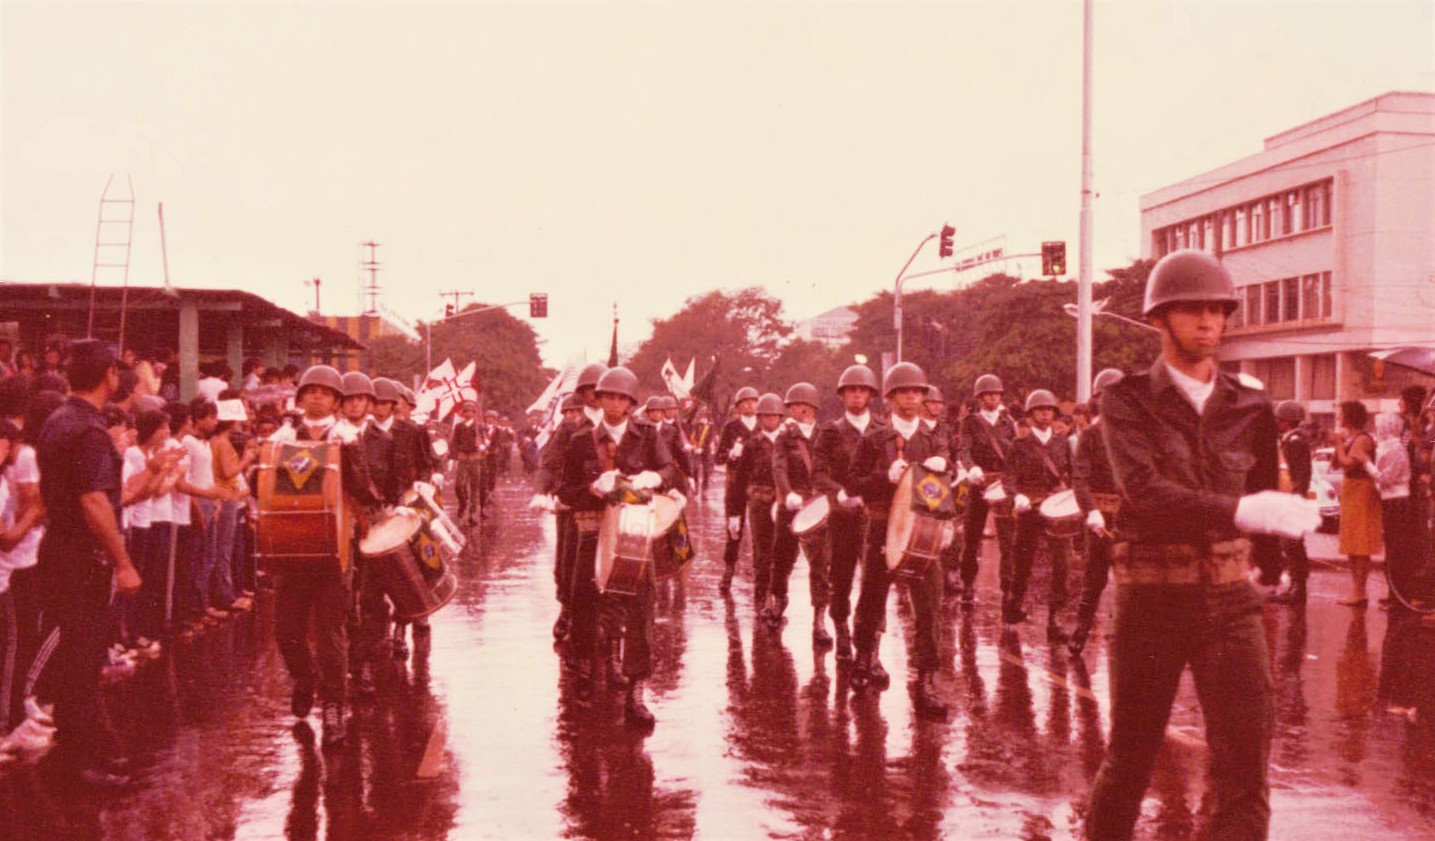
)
(962, 475)
(1273, 512)
(538, 502)
(735, 453)
(975, 475)
(346, 433)
(1096, 521)
(894, 473)
(794, 502)
(936, 464)
(647, 481)
(603, 485)
(437, 481)
(734, 527)
(1021, 504)
(677, 497)
(848, 502)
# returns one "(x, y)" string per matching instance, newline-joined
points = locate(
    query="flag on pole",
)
(550, 403)
(444, 389)
(688, 375)
(673, 379)
(613, 351)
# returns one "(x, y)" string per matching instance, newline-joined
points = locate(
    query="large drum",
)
(408, 561)
(914, 539)
(625, 546)
(1062, 514)
(303, 522)
(809, 524)
(672, 548)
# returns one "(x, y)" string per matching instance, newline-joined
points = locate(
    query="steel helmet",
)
(387, 391)
(357, 383)
(408, 395)
(325, 376)
(589, 376)
(571, 403)
(934, 395)
(1106, 379)
(904, 375)
(667, 401)
(619, 380)
(1041, 398)
(770, 404)
(858, 376)
(747, 392)
(987, 383)
(801, 393)
(1290, 411)
(1189, 275)
(653, 404)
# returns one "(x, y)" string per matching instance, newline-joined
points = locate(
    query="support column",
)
(276, 349)
(235, 349)
(188, 348)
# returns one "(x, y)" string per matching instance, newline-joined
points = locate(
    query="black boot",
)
(616, 678)
(844, 642)
(1077, 643)
(820, 637)
(861, 671)
(1012, 614)
(924, 696)
(635, 712)
(333, 723)
(583, 680)
(303, 698)
(560, 628)
(969, 595)
(725, 586)
(1054, 632)
(878, 675)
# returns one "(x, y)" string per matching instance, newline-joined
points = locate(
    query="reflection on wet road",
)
(477, 736)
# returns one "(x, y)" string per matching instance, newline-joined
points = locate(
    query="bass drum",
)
(625, 547)
(914, 539)
(672, 548)
(408, 561)
(302, 519)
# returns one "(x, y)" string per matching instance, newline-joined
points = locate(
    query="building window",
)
(1273, 301)
(1325, 295)
(1238, 315)
(1310, 297)
(1253, 304)
(1208, 233)
(1322, 377)
(1242, 235)
(1259, 231)
(1278, 376)
(1290, 296)
(1317, 205)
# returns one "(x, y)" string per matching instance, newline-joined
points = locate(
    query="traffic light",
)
(448, 310)
(1053, 258)
(538, 305)
(944, 248)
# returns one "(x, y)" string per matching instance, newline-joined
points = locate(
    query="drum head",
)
(900, 521)
(995, 492)
(666, 512)
(812, 515)
(1060, 505)
(389, 533)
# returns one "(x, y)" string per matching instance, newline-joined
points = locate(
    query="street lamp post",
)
(1098, 309)
(897, 292)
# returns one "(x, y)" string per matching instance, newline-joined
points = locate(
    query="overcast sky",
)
(637, 152)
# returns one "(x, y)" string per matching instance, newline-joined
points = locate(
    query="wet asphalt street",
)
(477, 736)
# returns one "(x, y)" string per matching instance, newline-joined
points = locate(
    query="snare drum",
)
(672, 548)
(997, 498)
(625, 547)
(809, 525)
(408, 562)
(1062, 514)
(914, 539)
(303, 521)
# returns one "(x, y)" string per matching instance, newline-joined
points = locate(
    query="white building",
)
(831, 328)
(1329, 233)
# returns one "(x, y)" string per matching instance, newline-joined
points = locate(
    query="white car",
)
(1325, 488)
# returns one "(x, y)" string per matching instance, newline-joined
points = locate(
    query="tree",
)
(806, 361)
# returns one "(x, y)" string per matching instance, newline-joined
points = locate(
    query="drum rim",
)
(820, 500)
(413, 517)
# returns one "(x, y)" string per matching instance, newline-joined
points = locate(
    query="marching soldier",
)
(934, 410)
(1099, 498)
(834, 452)
(369, 624)
(1040, 465)
(792, 467)
(323, 594)
(700, 435)
(752, 486)
(468, 445)
(1295, 458)
(579, 410)
(413, 462)
(729, 450)
(883, 456)
(986, 440)
(679, 446)
(1194, 454)
(595, 460)
(499, 440)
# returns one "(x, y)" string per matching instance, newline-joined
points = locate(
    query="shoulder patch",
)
(1250, 382)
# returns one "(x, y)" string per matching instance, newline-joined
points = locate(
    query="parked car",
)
(1325, 488)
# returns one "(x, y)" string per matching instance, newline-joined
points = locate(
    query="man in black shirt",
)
(986, 439)
(1099, 500)
(729, 450)
(1295, 456)
(1040, 465)
(468, 445)
(81, 555)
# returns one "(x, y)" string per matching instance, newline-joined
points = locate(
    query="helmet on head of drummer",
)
(1106, 379)
(934, 395)
(1291, 412)
(571, 403)
(408, 396)
(667, 402)
(747, 392)
(1041, 399)
(857, 376)
(653, 404)
(387, 391)
(904, 375)
(589, 376)
(801, 393)
(620, 381)
(323, 376)
(770, 404)
(1188, 276)
(987, 383)
(357, 383)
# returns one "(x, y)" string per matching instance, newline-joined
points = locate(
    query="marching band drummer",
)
(986, 441)
(835, 450)
(752, 487)
(323, 594)
(934, 410)
(883, 456)
(594, 461)
(792, 465)
(1099, 498)
(1040, 465)
(729, 450)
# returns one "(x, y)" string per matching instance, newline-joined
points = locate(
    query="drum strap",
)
(1050, 465)
(606, 449)
(994, 440)
(804, 449)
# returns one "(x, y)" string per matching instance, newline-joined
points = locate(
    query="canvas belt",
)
(1180, 563)
(474, 456)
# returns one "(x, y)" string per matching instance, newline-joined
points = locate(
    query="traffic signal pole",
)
(1083, 281)
(897, 292)
(428, 327)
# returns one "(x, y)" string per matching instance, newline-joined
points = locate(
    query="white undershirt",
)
(1042, 435)
(860, 421)
(770, 436)
(385, 425)
(616, 433)
(749, 421)
(594, 414)
(1195, 390)
(990, 417)
(906, 428)
(806, 429)
(930, 423)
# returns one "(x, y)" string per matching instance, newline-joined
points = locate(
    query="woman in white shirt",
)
(1390, 468)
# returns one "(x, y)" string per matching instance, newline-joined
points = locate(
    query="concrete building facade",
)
(1329, 232)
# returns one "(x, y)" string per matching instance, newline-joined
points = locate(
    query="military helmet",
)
(770, 404)
(1041, 398)
(904, 375)
(408, 395)
(987, 383)
(653, 404)
(1189, 276)
(619, 380)
(934, 395)
(668, 402)
(1106, 379)
(357, 383)
(858, 376)
(589, 376)
(322, 375)
(387, 391)
(802, 393)
(571, 403)
(1290, 411)
(747, 392)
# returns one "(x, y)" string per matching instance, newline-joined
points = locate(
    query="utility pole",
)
(1083, 281)
(456, 294)
(371, 266)
(314, 283)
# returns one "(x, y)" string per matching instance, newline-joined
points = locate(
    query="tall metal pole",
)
(1083, 282)
(897, 292)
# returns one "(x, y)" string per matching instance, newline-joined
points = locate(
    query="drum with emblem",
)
(302, 518)
(409, 563)
(915, 536)
(625, 547)
(672, 547)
